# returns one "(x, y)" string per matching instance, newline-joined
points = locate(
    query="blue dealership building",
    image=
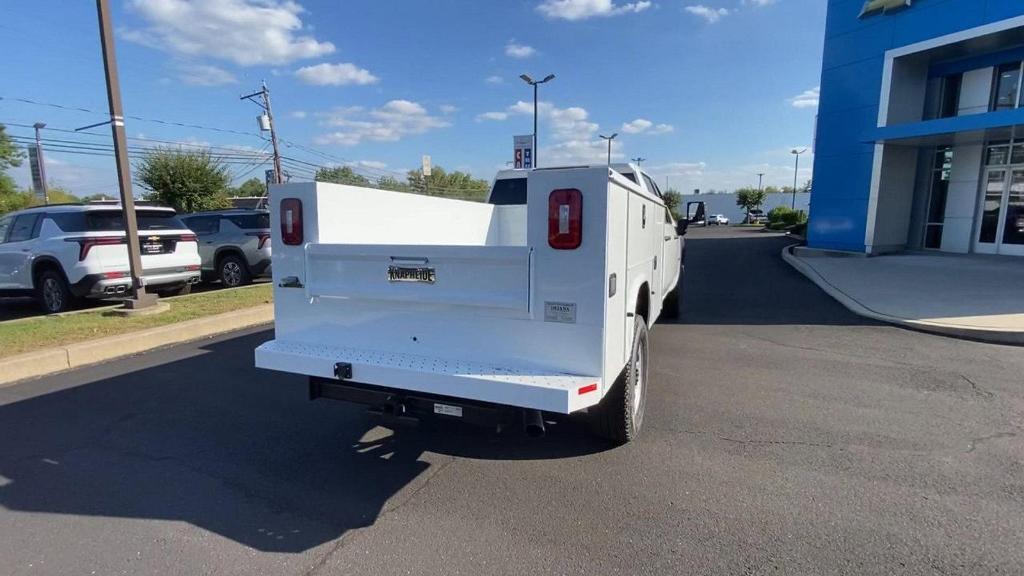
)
(920, 134)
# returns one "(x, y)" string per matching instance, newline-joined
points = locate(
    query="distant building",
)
(919, 140)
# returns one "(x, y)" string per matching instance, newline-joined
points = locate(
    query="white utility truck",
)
(419, 305)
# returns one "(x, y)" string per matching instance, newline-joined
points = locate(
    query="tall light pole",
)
(760, 181)
(42, 164)
(796, 171)
(139, 298)
(535, 83)
(638, 160)
(609, 139)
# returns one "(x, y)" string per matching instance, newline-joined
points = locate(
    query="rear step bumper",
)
(405, 408)
(457, 379)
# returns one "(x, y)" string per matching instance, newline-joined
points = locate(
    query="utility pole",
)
(139, 298)
(266, 123)
(760, 181)
(42, 164)
(609, 139)
(796, 172)
(535, 83)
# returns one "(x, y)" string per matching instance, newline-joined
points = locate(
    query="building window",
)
(949, 103)
(937, 196)
(1007, 91)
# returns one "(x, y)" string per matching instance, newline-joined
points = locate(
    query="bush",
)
(783, 218)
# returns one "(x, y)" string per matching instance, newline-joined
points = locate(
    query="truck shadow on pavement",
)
(197, 434)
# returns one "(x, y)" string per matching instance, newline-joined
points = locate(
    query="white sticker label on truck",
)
(448, 410)
(563, 312)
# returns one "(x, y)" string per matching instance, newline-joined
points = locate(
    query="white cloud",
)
(514, 50)
(245, 32)
(807, 99)
(567, 134)
(388, 123)
(343, 74)
(299, 114)
(494, 80)
(712, 15)
(759, 3)
(495, 116)
(448, 109)
(645, 126)
(573, 10)
(372, 164)
(205, 75)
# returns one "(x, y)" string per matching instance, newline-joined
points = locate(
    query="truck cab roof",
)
(509, 187)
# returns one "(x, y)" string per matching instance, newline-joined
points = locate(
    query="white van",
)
(416, 304)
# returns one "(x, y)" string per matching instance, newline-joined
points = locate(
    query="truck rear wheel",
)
(620, 415)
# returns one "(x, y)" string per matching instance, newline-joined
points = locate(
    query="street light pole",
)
(760, 181)
(42, 164)
(796, 171)
(535, 83)
(609, 139)
(124, 177)
(638, 160)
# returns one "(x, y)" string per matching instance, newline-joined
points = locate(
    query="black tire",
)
(233, 272)
(620, 415)
(53, 293)
(183, 290)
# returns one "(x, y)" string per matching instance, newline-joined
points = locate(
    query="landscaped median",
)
(47, 344)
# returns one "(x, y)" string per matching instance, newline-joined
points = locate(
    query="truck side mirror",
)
(681, 227)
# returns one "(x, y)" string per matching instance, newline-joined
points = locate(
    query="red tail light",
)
(86, 244)
(565, 219)
(291, 221)
(188, 238)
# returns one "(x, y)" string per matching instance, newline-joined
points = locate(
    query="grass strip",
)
(48, 331)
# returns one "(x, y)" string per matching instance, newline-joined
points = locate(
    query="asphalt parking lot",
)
(784, 435)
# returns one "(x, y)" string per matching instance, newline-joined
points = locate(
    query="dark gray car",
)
(234, 244)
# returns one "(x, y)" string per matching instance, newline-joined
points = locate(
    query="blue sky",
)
(710, 92)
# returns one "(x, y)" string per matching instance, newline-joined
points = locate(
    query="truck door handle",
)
(667, 238)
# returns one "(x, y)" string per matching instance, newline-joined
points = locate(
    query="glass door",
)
(1012, 239)
(991, 210)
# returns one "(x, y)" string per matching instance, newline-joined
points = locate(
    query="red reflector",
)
(291, 221)
(588, 389)
(192, 267)
(114, 275)
(565, 219)
(264, 238)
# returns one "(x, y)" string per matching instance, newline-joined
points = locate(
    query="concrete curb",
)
(58, 359)
(953, 330)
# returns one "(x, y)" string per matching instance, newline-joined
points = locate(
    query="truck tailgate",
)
(521, 387)
(475, 276)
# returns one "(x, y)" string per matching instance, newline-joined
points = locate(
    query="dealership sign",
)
(872, 7)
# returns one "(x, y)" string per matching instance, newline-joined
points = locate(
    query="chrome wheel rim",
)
(232, 274)
(53, 297)
(639, 376)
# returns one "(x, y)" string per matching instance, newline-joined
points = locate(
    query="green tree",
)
(59, 195)
(99, 197)
(449, 184)
(392, 183)
(672, 201)
(251, 188)
(10, 157)
(750, 199)
(341, 175)
(187, 180)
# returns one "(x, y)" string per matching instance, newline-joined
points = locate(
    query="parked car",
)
(756, 217)
(62, 253)
(718, 220)
(234, 244)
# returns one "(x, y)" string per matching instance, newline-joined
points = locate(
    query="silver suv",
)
(234, 244)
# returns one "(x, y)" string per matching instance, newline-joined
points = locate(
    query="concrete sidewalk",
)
(978, 297)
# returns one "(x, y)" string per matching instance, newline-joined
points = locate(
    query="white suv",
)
(62, 253)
